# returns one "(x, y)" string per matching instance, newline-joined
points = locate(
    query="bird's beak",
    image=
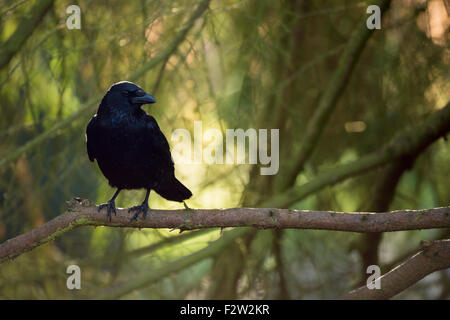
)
(145, 99)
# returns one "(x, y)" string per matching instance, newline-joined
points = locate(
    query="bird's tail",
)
(173, 190)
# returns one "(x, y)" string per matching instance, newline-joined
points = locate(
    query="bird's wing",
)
(91, 138)
(157, 142)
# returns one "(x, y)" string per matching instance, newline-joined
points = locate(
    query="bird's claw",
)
(111, 207)
(141, 208)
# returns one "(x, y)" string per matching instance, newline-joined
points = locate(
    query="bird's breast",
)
(125, 145)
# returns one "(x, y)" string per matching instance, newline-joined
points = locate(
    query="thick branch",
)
(84, 213)
(434, 256)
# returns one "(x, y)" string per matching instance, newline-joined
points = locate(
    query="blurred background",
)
(231, 64)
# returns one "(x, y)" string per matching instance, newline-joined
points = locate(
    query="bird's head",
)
(127, 96)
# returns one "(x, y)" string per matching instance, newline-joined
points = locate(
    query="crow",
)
(130, 149)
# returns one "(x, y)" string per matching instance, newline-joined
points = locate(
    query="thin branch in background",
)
(12, 7)
(160, 76)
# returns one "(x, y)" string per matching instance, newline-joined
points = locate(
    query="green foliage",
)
(240, 64)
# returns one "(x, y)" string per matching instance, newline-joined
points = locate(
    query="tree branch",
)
(434, 256)
(85, 213)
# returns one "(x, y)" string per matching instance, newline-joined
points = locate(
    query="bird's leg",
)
(186, 206)
(141, 208)
(111, 206)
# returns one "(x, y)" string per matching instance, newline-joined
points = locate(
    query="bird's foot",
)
(142, 208)
(186, 206)
(111, 207)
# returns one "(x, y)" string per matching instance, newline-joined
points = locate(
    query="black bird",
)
(130, 149)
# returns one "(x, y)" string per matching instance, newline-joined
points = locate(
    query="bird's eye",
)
(126, 93)
(139, 93)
